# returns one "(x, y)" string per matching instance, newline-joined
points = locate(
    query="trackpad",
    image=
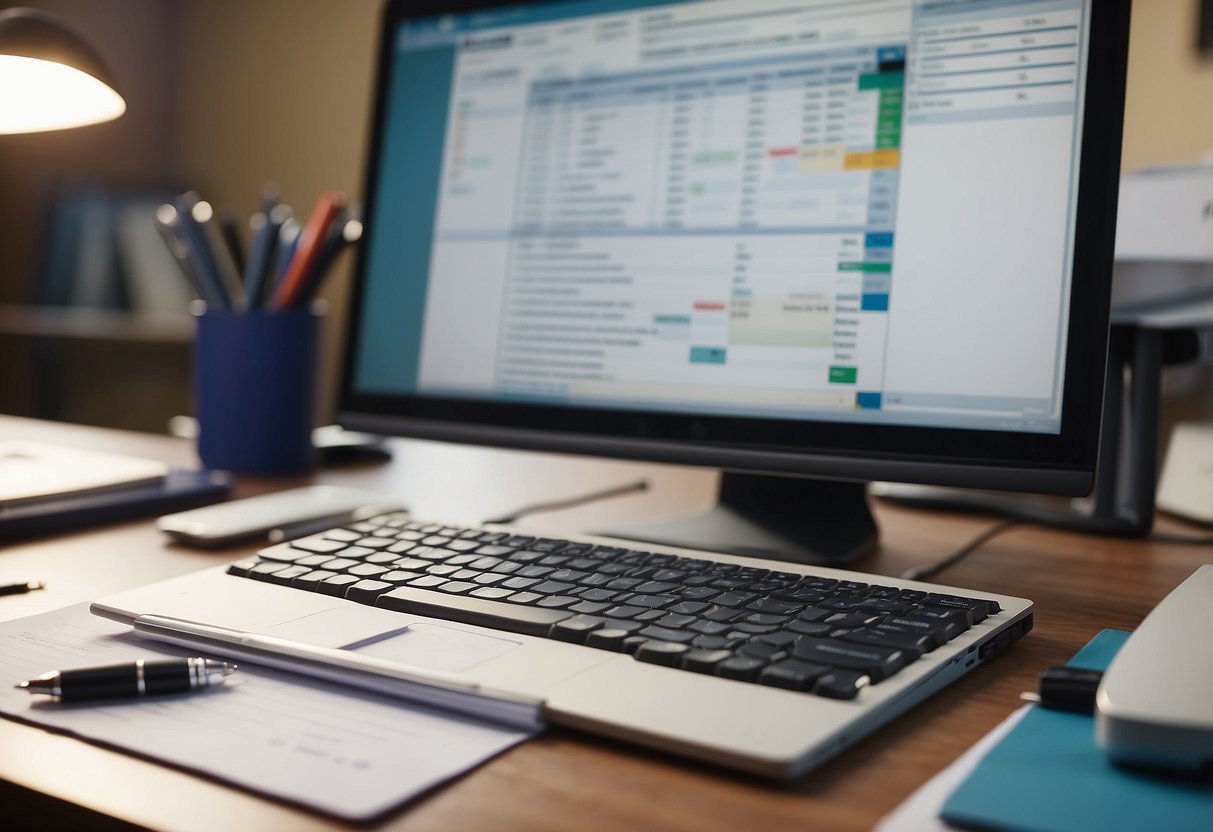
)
(436, 647)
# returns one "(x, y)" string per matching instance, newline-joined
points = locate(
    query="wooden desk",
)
(563, 779)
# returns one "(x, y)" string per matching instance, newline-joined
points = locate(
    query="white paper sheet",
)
(345, 753)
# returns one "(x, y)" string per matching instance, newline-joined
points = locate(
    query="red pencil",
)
(311, 240)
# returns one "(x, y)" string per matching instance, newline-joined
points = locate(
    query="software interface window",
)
(734, 207)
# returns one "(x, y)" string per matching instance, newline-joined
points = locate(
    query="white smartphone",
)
(291, 513)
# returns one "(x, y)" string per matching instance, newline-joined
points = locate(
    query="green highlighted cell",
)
(882, 80)
(875, 268)
(843, 375)
(671, 319)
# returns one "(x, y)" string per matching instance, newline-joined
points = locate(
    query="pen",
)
(225, 267)
(265, 228)
(231, 239)
(21, 587)
(194, 237)
(344, 232)
(168, 223)
(137, 678)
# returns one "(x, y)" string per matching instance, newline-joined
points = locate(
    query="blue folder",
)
(1048, 775)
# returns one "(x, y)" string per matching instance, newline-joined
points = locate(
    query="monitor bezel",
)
(1061, 463)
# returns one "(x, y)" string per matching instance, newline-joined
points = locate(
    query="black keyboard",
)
(792, 630)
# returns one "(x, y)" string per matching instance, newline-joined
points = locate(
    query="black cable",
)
(919, 573)
(571, 502)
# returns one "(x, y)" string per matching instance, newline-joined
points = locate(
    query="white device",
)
(1154, 706)
(224, 523)
(1186, 485)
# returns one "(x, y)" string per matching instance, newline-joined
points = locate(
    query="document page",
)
(338, 751)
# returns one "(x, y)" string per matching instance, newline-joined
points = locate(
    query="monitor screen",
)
(816, 237)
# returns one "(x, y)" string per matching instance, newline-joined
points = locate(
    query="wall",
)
(277, 90)
(1169, 97)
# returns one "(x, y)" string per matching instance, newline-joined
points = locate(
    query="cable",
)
(919, 573)
(571, 502)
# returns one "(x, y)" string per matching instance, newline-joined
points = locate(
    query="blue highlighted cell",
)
(878, 239)
(890, 54)
(707, 355)
(875, 302)
(868, 401)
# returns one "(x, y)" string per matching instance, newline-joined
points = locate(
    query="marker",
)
(290, 292)
(225, 267)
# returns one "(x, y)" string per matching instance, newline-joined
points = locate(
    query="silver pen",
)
(130, 679)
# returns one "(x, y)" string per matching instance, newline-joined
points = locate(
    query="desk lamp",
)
(50, 79)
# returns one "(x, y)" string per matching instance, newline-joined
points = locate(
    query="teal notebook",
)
(1048, 775)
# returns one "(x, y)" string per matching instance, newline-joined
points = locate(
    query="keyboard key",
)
(337, 584)
(686, 607)
(576, 629)
(806, 628)
(608, 638)
(266, 568)
(368, 570)
(654, 631)
(346, 535)
(557, 601)
(285, 576)
(766, 620)
(774, 607)
(744, 668)
(734, 599)
(455, 587)
(851, 620)
(489, 578)
(589, 607)
(444, 570)
(704, 661)
(284, 553)
(242, 567)
(883, 606)
(675, 621)
(781, 640)
(525, 598)
(366, 591)
(901, 638)
(598, 595)
(661, 652)
(379, 558)
(375, 542)
(514, 617)
(625, 611)
(699, 593)
(710, 628)
(650, 600)
(493, 550)
(520, 583)
(841, 684)
(761, 650)
(876, 662)
(793, 674)
(318, 544)
(312, 580)
(654, 587)
(723, 614)
(552, 588)
(428, 581)
(494, 593)
(938, 633)
(979, 607)
(313, 560)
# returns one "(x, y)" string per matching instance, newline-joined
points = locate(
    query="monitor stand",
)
(779, 518)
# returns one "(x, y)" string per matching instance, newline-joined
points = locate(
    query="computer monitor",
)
(811, 243)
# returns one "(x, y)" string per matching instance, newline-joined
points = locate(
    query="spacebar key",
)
(532, 621)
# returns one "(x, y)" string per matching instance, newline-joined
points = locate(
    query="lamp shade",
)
(49, 77)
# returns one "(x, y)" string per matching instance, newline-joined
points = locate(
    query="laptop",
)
(845, 240)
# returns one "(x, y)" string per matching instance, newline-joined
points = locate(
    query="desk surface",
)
(1080, 585)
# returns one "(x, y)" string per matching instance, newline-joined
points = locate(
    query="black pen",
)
(137, 678)
(21, 587)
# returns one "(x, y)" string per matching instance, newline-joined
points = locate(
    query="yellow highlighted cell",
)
(872, 159)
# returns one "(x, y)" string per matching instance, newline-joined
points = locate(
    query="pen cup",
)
(255, 376)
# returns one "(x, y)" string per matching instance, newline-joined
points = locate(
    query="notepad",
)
(1048, 775)
(335, 750)
(36, 470)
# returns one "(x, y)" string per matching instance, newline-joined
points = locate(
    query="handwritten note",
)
(339, 751)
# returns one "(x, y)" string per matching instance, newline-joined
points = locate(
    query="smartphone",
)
(289, 513)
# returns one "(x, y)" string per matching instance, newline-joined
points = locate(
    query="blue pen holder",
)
(255, 377)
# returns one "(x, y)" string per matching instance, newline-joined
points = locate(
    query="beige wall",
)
(277, 90)
(1169, 99)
